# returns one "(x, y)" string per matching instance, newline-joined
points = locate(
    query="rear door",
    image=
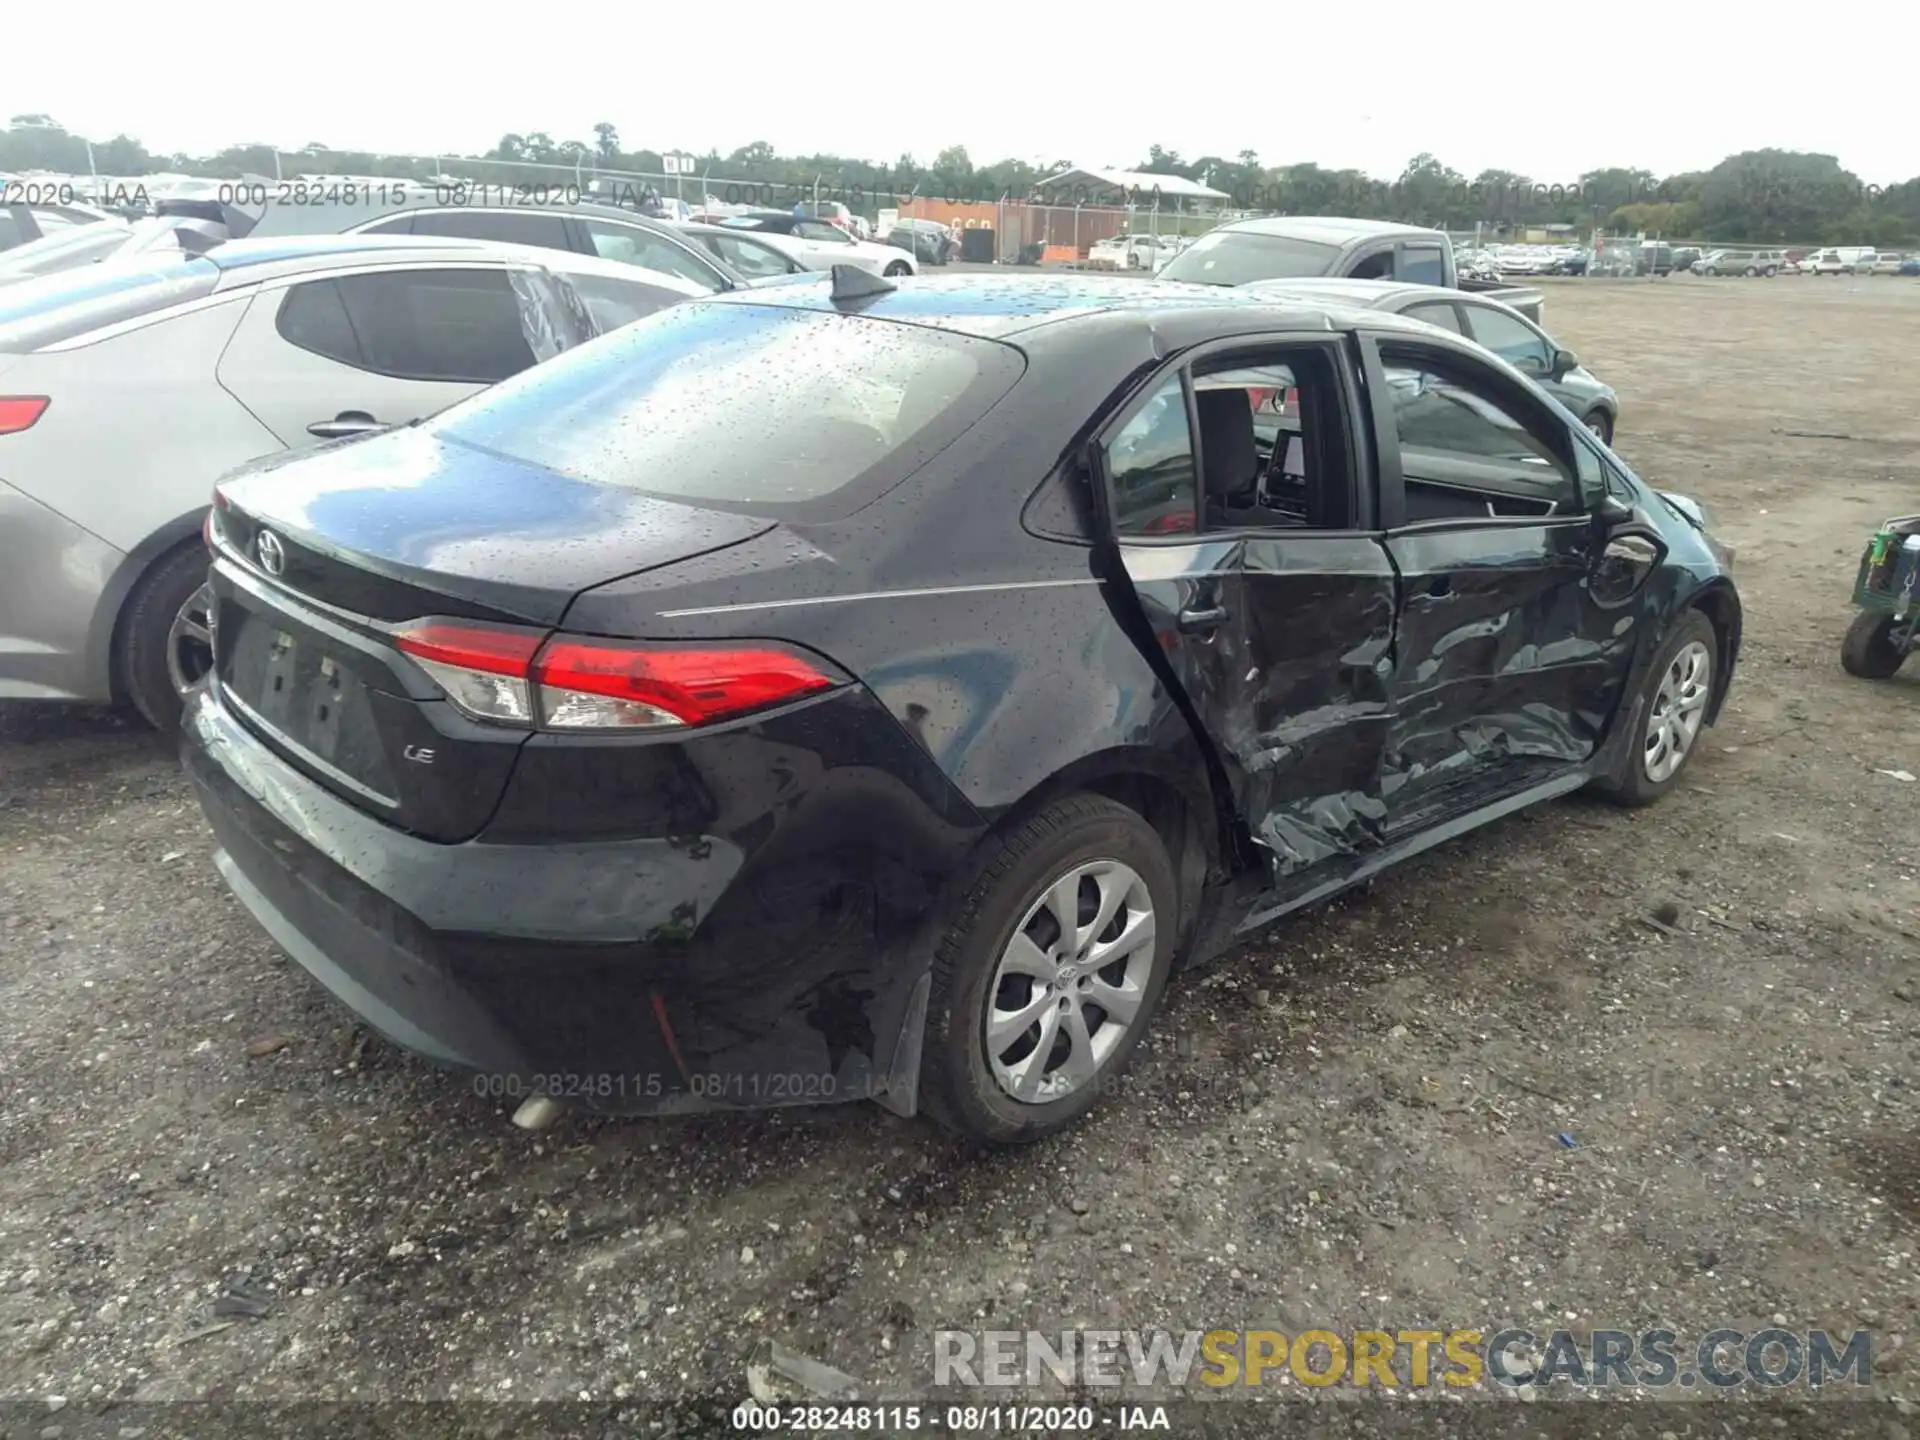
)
(1506, 672)
(1233, 491)
(332, 356)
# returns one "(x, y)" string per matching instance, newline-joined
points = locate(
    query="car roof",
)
(1371, 294)
(1368, 294)
(286, 217)
(245, 262)
(1327, 229)
(997, 307)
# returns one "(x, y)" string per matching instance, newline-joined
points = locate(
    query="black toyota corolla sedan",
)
(853, 690)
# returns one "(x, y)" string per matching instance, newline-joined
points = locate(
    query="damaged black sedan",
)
(850, 691)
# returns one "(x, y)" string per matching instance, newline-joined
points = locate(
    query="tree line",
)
(1758, 196)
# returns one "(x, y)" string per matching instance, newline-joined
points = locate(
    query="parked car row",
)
(1848, 261)
(580, 663)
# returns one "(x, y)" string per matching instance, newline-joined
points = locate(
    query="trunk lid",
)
(403, 524)
(368, 534)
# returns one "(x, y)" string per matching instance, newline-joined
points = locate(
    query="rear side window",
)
(750, 257)
(613, 303)
(547, 232)
(756, 408)
(637, 245)
(54, 308)
(314, 317)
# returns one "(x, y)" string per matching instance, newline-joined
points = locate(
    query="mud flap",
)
(899, 1089)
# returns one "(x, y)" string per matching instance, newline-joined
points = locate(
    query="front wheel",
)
(166, 645)
(1673, 710)
(1771, 272)
(1869, 651)
(897, 267)
(1600, 425)
(1050, 972)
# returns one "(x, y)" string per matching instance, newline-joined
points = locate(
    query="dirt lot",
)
(1351, 1124)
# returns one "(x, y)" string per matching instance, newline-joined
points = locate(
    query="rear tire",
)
(1676, 692)
(1601, 424)
(897, 267)
(1869, 651)
(1005, 953)
(147, 632)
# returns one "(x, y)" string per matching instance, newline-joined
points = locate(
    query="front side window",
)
(635, 245)
(1439, 313)
(1457, 435)
(1513, 340)
(1422, 265)
(1150, 468)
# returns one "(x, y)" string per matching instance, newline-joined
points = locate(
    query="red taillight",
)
(605, 684)
(576, 683)
(18, 412)
(483, 670)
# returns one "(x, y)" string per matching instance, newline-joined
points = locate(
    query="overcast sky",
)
(1549, 90)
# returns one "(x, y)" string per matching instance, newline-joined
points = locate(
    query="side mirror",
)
(1563, 361)
(1610, 510)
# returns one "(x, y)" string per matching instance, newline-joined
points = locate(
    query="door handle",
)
(352, 422)
(1194, 620)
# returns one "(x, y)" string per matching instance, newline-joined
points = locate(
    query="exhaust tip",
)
(537, 1113)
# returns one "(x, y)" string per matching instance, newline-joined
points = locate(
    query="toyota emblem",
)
(273, 555)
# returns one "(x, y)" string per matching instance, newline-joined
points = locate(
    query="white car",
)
(1846, 261)
(1132, 252)
(127, 389)
(820, 245)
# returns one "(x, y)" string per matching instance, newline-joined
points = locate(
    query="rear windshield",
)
(51, 308)
(1238, 257)
(755, 408)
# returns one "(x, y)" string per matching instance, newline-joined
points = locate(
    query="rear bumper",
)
(632, 976)
(53, 576)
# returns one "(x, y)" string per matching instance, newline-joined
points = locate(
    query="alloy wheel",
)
(190, 641)
(1071, 983)
(1679, 705)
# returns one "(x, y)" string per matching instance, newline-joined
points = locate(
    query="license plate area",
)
(304, 692)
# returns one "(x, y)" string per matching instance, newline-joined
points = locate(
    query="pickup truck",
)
(1297, 247)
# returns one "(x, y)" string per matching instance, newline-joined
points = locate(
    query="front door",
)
(1506, 670)
(1232, 493)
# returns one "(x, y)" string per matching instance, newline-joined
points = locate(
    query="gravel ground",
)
(1351, 1123)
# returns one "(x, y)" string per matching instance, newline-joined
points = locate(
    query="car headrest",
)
(1228, 454)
